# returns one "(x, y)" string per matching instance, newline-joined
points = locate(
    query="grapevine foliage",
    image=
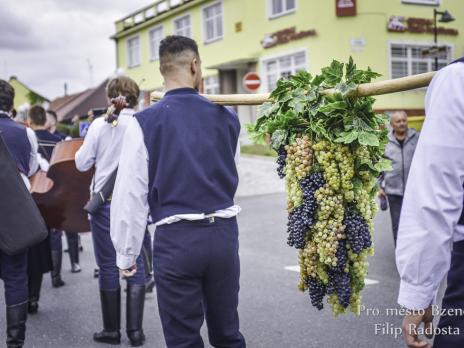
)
(330, 152)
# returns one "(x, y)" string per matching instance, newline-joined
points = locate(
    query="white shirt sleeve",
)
(434, 193)
(129, 205)
(86, 156)
(33, 158)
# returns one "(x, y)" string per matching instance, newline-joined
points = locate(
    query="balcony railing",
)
(147, 13)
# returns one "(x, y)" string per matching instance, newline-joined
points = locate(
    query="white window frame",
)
(183, 29)
(154, 55)
(129, 65)
(264, 60)
(422, 2)
(283, 13)
(203, 19)
(215, 85)
(424, 44)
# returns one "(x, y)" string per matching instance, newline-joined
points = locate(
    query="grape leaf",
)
(278, 138)
(347, 137)
(333, 74)
(368, 139)
(383, 165)
(345, 88)
(336, 106)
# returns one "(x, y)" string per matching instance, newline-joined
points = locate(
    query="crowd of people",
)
(176, 171)
(196, 264)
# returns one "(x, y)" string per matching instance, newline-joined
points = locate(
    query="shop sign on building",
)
(284, 36)
(345, 8)
(401, 24)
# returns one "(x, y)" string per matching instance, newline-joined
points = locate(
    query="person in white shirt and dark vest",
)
(22, 146)
(431, 232)
(102, 148)
(177, 162)
(47, 141)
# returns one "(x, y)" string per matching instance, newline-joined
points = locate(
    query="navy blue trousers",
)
(13, 271)
(105, 254)
(197, 271)
(56, 243)
(453, 299)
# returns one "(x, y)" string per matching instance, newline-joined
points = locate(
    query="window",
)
(283, 67)
(212, 16)
(281, 7)
(133, 52)
(408, 59)
(421, 2)
(155, 37)
(211, 84)
(182, 26)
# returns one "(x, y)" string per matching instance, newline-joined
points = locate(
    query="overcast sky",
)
(46, 43)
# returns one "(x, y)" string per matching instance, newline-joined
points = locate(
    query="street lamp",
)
(446, 17)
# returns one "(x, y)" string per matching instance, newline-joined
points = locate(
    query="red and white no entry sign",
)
(251, 82)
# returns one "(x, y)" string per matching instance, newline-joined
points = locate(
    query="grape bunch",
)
(357, 232)
(281, 160)
(317, 290)
(301, 218)
(300, 157)
(340, 284)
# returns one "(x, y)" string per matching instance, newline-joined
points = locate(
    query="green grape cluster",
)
(299, 162)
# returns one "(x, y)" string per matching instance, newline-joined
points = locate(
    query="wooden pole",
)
(368, 89)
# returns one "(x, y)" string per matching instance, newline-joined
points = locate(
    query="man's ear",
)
(194, 66)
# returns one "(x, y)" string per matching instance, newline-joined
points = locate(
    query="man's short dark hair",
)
(173, 46)
(7, 95)
(37, 115)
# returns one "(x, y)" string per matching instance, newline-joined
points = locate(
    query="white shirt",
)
(33, 157)
(434, 193)
(129, 205)
(102, 148)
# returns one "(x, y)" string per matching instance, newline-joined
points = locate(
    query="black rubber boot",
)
(56, 271)
(34, 284)
(134, 314)
(111, 313)
(73, 247)
(16, 317)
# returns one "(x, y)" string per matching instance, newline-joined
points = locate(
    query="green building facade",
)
(276, 38)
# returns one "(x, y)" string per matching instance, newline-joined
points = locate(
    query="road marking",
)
(367, 281)
(293, 268)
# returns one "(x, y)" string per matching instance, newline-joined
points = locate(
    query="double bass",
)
(62, 192)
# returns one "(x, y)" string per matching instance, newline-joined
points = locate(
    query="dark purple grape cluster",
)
(281, 161)
(302, 217)
(317, 291)
(340, 283)
(342, 255)
(357, 231)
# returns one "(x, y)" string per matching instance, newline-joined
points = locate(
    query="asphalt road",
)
(273, 312)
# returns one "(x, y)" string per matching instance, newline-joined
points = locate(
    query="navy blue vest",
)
(191, 144)
(15, 137)
(47, 142)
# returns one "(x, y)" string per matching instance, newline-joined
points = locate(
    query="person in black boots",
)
(22, 146)
(101, 148)
(73, 250)
(178, 163)
(43, 257)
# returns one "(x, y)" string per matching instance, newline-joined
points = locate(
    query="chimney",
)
(65, 89)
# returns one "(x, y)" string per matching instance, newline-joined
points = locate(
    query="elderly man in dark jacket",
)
(400, 149)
